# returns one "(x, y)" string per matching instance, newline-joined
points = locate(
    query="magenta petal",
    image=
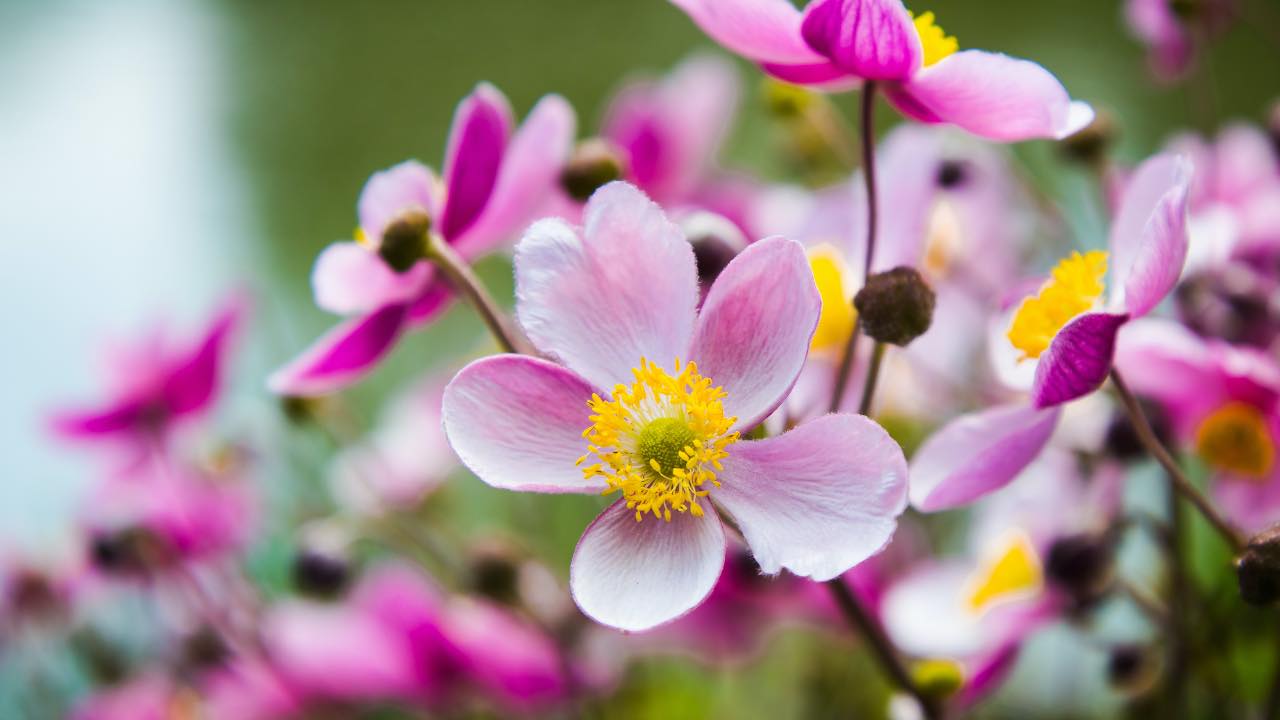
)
(824, 75)
(995, 96)
(428, 305)
(977, 454)
(761, 30)
(753, 333)
(88, 425)
(1149, 236)
(388, 193)
(348, 279)
(477, 141)
(625, 290)
(343, 355)
(529, 173)
(818, 499)
(517, 422)
(193, 382)
(872, 39)
(1078, 359)
(635, 575)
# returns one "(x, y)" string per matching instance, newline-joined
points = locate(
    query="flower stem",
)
(1177, 479)
(1177, 618)
(881, 646)
(843, 370)
(463, 279)
(873, 374)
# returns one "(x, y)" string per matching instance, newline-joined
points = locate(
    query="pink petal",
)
(637, 575)
(1078, 359)
(753, 333)
(977, 454)
(1149, 236)
(625, 290)
(517, 423)
(434, 300)
(124, 416)
(872, 39)
(343, 355)
(760, 30)
(823, 75)
(995, 96)
(529, 173)
(477, 141)
(193, 382)
(512, 660)
(348, 279)
(1244, 164)
(819, 499)
(388, 193)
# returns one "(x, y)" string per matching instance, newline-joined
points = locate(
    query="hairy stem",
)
(463, 279)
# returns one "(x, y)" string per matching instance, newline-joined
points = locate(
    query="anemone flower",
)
(1069, 336)
(494, 183)
(837, 43)
(1223, 401)
(1169, 31)
(651, 400)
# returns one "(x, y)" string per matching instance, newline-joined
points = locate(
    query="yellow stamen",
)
(659, 440)
(1076, 286)
(362, 239)
(835, 323)
(934, 43)
(1012, 571)
(1235, 438)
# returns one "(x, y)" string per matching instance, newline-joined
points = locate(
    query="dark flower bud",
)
(1090, 144)
(204, 649)
(497, 577)
(105, 663)
(130, 551)
(299, 409)
(595, 163)
(1238, 303)
(716, 242)
(952, 174)
(1258, 568)
(32, 595)
(320, 574)
(1122, 441)
(895, 306)
(404, 241)
(1082, 565)
(1131, 669)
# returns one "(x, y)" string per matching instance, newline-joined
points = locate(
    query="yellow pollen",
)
(362, 239)
(659, 440)
(1076, 286)
(1012, 571)
(1235, 438)
(835, 323)
(934, 43)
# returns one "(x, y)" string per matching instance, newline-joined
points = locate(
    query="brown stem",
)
(873, 374)
(1177, 479)
(464, 280)
(1176, 694)
(843, 370)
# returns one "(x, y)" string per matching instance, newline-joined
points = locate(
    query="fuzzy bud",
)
(1131, 669)
(404, 242)
(1258, 568)
(320, 574)
(1082, 565)
(595, 163)
(895, 306)
(1090, 145)
(716, 242)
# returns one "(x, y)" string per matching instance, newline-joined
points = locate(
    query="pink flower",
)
(615, 303)
(157, 386)
(836, 43)
(1170, 41)
(494, 182)
(1224, 402)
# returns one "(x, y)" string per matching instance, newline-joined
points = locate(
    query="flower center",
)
(659, 440)
(1075, 286)
(944, 241)
(934, 43)
(835, 323)
(1235, 438)
(1012, 571)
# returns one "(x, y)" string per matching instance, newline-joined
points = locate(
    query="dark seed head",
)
(895, 306)
(594, 164)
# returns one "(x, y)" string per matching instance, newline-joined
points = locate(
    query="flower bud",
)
(785, 100)
(1081, 565)
(937, 679)
(320, 574)
(1090, 145)
(1237, 302)
(952, 174)
(32, 595)
(404, 241)
(895, 306)
(1258, 568)
(130, 551)
(1122, 442)
(1131, 669)
(204, 649)
(595, 163)
(497, 577)
(716, 242)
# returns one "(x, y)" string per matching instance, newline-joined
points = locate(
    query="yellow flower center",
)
(944, 241)
(835, 323)
(659, 440)
(1075, 286)
(934, 43)
(1235, 438)
(1012, 571)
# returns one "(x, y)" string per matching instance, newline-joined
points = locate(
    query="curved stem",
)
(464, 280)
(873, 374)
(843, 370)
(1177, 479)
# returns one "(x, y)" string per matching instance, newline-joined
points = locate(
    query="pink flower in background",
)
(837, 43)
(1170, 39)
(615, 303)
(494, 182)
(1224, 402)
(156, 386)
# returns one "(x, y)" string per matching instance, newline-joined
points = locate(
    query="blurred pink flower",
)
(836, 43)
(1170, 39)
(494, 182)
(615, 303)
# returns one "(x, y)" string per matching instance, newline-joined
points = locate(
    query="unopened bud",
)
(1131, 669)
(404, 241)
(595, 163)
(301, 409)
(130, 551)
(1082, 565)
(937, 679)
(497, 577)
(895, 306)
(320, 574)
(204, 649)
(952, 174)
(1091, 143)
(1258, 568)
(716, 242)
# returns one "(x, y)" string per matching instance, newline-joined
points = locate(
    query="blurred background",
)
(156, 153)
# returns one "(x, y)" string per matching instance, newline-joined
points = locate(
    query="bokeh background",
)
(156, 153)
